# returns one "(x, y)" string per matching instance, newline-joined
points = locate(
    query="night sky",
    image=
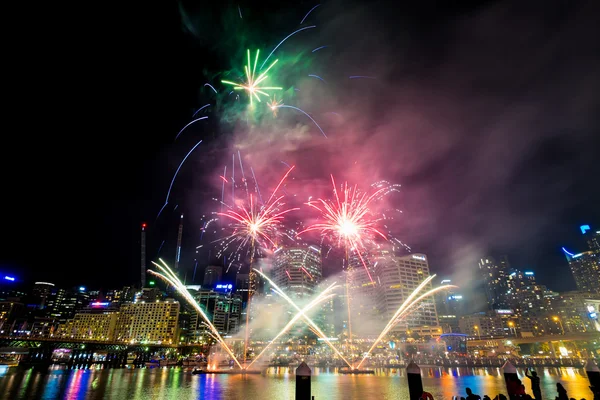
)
(487, 114)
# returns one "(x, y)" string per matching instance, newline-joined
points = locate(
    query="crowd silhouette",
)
(516, 391)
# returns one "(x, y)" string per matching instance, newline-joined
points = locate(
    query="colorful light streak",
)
(405, 309)
(200, 109)
(175, 176)
(251, 86)
(305, 113)
(182, 129)
(169, 276)
(211, 86)
(284, 39)
(311, 10)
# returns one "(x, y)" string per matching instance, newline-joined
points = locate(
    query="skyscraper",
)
(495, 274)
(298, 269)
(212, 275)
(585, 268)
(398, 277)
(41, 291)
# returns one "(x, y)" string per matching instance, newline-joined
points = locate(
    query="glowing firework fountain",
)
(168, 276)
(307, 319)
(325, 295)
(409, 305)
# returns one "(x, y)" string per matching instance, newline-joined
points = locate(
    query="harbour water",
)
(276, 384)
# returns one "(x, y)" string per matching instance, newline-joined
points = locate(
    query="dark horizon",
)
(485, 113)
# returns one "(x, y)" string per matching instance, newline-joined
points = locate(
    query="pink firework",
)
(252, 223)
(348, 218)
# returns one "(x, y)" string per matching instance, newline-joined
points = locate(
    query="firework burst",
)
(274, 105)
(349, 219)
(255, 224)
(252, 84)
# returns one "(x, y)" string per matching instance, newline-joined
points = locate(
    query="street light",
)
(511, 326)
(478, 333)
(556, 319)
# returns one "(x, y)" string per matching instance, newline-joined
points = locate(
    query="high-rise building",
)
(585, 268)
(223, 307)
(494, 275)
(297, 270)
(72, 302)
(212, 275)
(40, 293)
(152, 322)
(398, 277)
(592, 238)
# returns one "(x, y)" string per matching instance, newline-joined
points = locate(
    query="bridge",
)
(39, 350)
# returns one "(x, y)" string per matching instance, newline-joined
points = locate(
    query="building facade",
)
(397, 278)
(298, 270)
(88, 326)
(151, 322)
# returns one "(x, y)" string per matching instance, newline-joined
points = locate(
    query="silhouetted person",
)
(535, 384)
(562, 393)
(486, 397)
(500, 397)
(471, 396)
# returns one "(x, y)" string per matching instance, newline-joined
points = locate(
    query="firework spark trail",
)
(288, 274)
(223, 188)
(305, 113)
(256, 186)
(200, 109)
(182, 129)
(318, 77)
(243, 175)
(307, 273)
(160, 247)
(169, 276)
(319, 48)
(240, 11)
(175, 176)
(301, 313)
(280, 183)
(306, 318)
(311, 10)
(232, 179)
(347, 219)
(404, 310)
(286, 38)
(211, 86)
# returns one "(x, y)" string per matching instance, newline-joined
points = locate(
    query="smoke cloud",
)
(487, 119)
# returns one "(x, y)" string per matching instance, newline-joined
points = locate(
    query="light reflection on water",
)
(277, 384)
